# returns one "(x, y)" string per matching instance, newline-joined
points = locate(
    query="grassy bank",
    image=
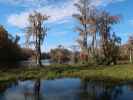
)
(105, 73)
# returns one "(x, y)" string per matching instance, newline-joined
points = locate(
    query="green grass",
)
(115, 73)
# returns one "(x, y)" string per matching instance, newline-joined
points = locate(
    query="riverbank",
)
(115, 73)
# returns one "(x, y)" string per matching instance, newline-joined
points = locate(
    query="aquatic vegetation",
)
(106, 73)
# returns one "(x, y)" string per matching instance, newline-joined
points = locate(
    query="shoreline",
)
(116, 73)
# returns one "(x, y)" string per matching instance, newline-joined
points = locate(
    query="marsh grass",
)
(115, 73)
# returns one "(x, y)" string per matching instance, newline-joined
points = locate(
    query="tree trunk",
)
(36, 51)
(130, 56)
(39, 53)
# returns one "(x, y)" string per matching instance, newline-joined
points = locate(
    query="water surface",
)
(65, 89)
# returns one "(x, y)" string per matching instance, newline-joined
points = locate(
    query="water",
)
(33, 62)
(64, 89)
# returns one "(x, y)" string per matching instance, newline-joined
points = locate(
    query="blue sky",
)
(14, 14)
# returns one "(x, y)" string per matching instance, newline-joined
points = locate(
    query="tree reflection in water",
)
(93, 90)
(37, 89)
(34, 93)
(65, 89)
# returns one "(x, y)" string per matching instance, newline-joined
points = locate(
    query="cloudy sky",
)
(14, 14)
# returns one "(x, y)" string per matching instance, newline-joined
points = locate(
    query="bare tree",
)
(87, 18)
(36, 32)
(83, 8)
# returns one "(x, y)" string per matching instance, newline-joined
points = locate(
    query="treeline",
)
(63, 55)
(60, 55)
(9, 48)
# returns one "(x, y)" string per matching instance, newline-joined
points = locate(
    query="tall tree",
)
(105, 22)
(37, 32)
(82, 17)
(87, 18)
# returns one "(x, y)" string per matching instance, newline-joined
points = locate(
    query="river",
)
(65, 89)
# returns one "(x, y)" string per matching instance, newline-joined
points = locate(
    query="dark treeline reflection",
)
(34, 93)
(37, 89)
(65, 89)
(100, 91)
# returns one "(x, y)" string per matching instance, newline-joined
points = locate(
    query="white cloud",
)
(19, 20)
(25, 3)
(58, 13)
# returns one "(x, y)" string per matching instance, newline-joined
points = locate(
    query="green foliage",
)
(9, 48)
(114, 48)
(114, 73)
(98, 59)
(113, 53)
(60, 55)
